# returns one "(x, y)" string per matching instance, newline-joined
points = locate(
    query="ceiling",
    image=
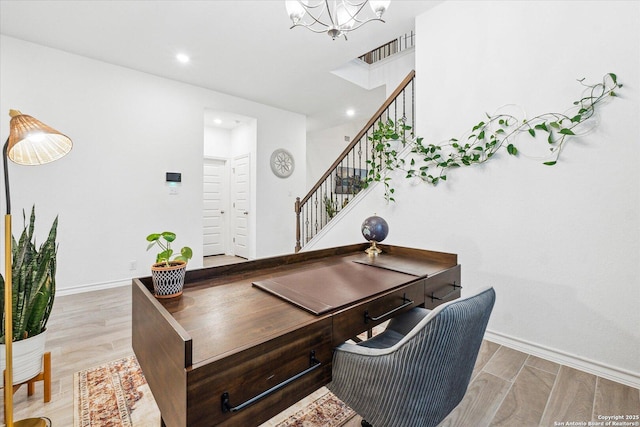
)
(241, 47)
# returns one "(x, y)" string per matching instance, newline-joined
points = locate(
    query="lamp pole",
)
(30, 142)
(8, 300)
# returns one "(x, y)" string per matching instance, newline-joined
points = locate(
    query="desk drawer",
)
(361, 317)
(261, 381)
(442, 287)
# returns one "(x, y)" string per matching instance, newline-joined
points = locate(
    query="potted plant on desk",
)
(168, 274)
(34, 287)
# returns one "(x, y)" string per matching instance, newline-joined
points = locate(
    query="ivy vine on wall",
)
(431, 162)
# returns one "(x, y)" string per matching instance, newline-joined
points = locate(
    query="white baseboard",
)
(92, 287)
(596, 368)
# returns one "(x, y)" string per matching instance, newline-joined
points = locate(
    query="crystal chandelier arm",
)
(354, 17)
(307, 26)
(310, 11)
(361, 23)
(333, 23)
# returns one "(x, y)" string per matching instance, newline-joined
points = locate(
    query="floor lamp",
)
(30, 142)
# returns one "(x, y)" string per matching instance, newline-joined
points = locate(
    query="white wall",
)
(388, 72)
(217, 142)
(391, 71)
(128, 129)
(324, 146)
(561, 245)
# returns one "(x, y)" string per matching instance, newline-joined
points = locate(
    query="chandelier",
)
(334, 17)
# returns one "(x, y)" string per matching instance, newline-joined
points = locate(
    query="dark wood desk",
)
(210, 355)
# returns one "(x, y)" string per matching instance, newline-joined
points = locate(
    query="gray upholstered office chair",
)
(416, 371)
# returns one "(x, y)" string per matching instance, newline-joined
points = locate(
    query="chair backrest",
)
(448, 341)
(424, 376)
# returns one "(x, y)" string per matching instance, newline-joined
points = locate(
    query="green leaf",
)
(532, 132)
(542, 126)
(478, 126)
(554, 125)
(511, 149)
(576, 119)
(164, 255)
(566, 131)
(168, 236)
(186, 252)
(153, 237)
(481, 135)
(614, 78)
(550, 139)
(550, 163)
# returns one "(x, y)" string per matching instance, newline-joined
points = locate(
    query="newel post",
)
(297, 208)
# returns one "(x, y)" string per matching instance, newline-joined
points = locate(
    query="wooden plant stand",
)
(45, 376)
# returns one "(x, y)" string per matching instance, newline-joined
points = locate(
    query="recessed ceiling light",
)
(182, 58)
(351, 112)
(217, 121)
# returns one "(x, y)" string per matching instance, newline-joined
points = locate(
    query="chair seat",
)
(397, 329)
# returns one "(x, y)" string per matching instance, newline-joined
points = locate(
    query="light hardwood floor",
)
(509, 388)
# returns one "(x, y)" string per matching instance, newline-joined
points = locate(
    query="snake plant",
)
(33, 281)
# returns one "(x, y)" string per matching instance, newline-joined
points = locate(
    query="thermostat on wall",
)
(174, 177)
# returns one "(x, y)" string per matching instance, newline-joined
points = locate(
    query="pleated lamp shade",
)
(31, 142)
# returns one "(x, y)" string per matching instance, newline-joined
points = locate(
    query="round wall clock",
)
(282, 163)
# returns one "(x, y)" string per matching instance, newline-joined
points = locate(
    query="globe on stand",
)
(375, 230)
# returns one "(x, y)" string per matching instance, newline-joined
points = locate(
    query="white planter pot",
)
(27, 357)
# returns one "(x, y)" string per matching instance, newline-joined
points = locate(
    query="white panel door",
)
(240, 205)
(214, 194)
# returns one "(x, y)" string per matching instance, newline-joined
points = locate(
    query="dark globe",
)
(375, 229)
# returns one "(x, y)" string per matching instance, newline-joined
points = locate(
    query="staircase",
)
(346, 177)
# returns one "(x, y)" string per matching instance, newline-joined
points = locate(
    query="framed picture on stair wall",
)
(349, 180)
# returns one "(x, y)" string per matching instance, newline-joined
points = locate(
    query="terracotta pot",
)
(27, 357)
(168, 281)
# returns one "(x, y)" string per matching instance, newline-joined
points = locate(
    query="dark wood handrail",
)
(354, 141)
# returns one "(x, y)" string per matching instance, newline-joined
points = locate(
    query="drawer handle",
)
(406, 303)
(226, 405)
(455, 289)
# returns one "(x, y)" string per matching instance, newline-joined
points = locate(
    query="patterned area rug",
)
(116, 394)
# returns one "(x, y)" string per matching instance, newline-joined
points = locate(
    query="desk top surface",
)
(223, 312)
